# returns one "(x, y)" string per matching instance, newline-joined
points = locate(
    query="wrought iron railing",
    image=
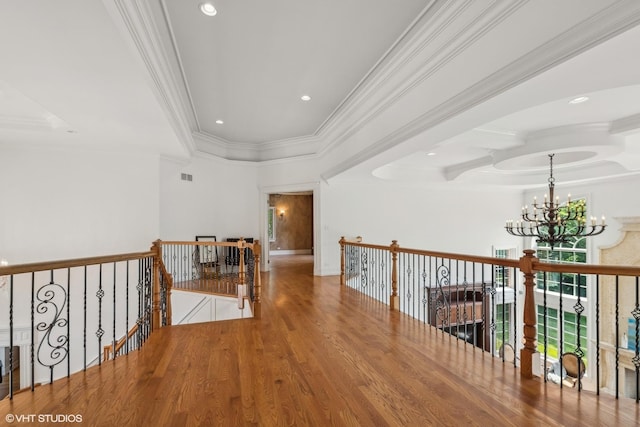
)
(62, 314)
(65, 316)
(227, 268)
(495, 303)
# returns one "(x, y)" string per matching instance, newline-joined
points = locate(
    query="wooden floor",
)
(4, 384)
(320, 356)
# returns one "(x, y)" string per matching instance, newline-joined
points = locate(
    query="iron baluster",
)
(69, 321)
(33, 331)
(513, 316)
(579, 308)
(113, 349)
(126, 315)
(598, 335)
(544, 322)
(636, 358)
(560, 326)
(425, 289)
(84, 314)
(100, 331)
(11, 337)
(52, 349)
(617, 305)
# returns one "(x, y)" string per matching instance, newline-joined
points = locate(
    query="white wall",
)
(222, 199)
(445, 219)
(194, 307)
(59, 204)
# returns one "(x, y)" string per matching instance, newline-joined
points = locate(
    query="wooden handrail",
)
(240, 243)
(78, 262)
(462, 257)
(107, 350)
(601, 269)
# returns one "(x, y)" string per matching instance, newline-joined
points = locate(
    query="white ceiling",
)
(479, 83)
(250, 64)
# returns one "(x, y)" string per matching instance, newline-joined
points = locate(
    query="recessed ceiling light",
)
(208, 9)
(579, 100)
(431, 153)
(220, 122)
(305, 98)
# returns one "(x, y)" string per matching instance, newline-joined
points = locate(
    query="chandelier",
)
(551, 223)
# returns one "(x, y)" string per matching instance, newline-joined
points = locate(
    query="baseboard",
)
(291, 252)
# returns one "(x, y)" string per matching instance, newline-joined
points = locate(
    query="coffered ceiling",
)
(464, 91)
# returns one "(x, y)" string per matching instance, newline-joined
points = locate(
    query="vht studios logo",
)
(43, 418)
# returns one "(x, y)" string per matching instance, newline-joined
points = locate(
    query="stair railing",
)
(230, 268)
(60, 313)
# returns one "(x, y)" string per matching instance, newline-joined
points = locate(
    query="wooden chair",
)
(575, 367)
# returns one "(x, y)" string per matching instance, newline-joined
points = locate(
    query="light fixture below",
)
(281, 213)
(431, 153)
(305, 98)
(554, 224)
(220, 122)
(579, 100)
(208, 9)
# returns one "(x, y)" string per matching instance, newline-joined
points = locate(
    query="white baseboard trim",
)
(291, 252)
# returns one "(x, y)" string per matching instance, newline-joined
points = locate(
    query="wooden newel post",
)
(257, 284)
(241, 273)
(529, 317)
(342, 261)
(156, 304)
(394, 303)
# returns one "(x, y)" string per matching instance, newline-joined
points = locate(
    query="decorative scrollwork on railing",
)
(148, 292)
(465, 315)
(442, 297)
(636, 315)
(53, 347)
(163, 299)
(363, 270)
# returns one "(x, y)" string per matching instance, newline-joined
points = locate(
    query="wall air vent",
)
(186, 177)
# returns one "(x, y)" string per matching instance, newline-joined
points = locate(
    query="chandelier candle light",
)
(550, 223)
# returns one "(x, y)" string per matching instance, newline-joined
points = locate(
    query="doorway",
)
(290, 224)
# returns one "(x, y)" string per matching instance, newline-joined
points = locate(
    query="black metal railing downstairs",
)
(61, 315)
(515, 309)
(229, 268)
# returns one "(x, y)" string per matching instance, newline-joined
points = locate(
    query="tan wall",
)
(294, 229)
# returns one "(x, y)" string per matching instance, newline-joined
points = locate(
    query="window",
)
(569, 331)
(503, 324)
(568, 253)
(564, 291)
(504, 281)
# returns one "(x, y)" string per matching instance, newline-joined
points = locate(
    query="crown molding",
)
(626, 125)
(135, 20)
(254, 151)
(594, 30)
(444, 31)
(452, 172)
